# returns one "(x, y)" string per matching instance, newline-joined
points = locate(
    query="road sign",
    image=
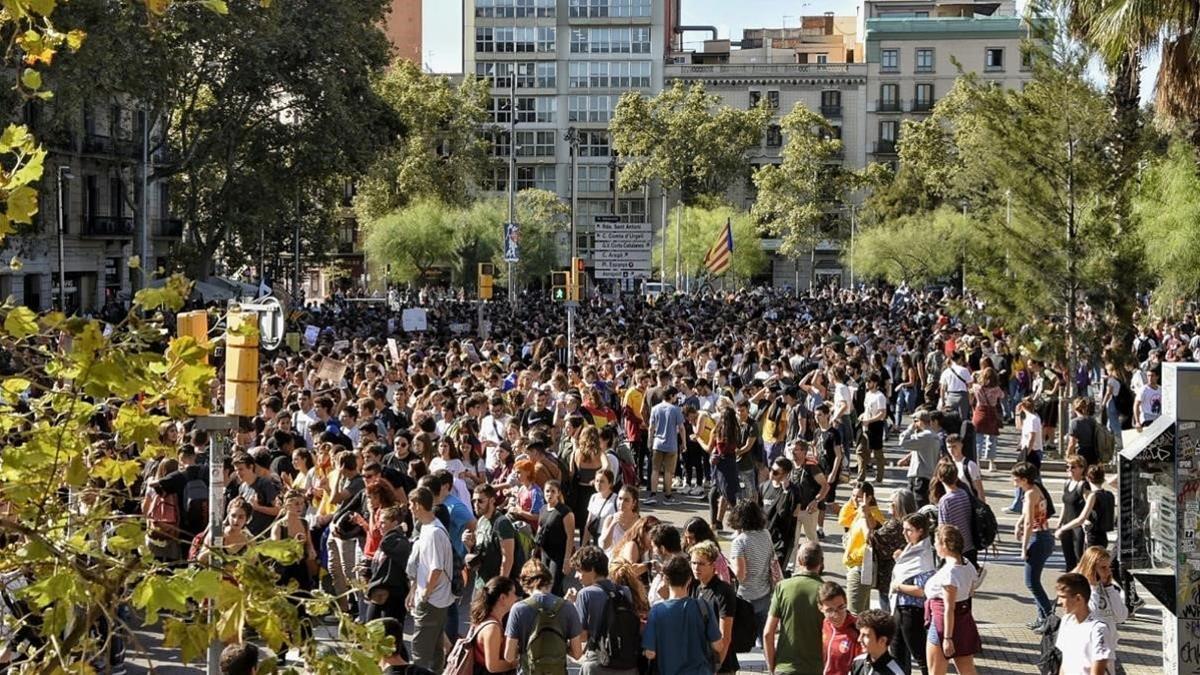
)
(512, 242)
(610, 240)
(621, 274)
(627, 255)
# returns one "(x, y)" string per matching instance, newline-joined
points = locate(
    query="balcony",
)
(107, 227)
(887, 106)
(97, 144)
(167, 228)
(885, 147)
(922, 105)
(831, 110)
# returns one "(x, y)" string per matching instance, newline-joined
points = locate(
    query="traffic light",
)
(486, 272)
(578, 279)
(559, 283)
(241, 363)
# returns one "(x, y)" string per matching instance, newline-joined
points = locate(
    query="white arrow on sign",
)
(622, 227)
(621, 274)
(624, 239)
(622, 265)
(622, 255)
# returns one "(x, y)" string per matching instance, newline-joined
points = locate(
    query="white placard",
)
(413, 320)
(458, 328)
(623, 227)
(621, 274)
(623, 255)
(608, 240)
(311, 334)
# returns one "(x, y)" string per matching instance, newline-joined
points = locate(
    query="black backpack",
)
(1104, 512)
(744, 636)
(618, 641)
(1050, 657)
(984, 526)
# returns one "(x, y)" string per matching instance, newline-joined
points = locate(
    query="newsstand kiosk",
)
(1160, 514)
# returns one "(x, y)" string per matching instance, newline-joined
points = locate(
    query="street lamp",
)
(572, 137)
(963, 251)
(64, 174)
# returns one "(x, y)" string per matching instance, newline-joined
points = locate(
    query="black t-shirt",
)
(1083, 430)
(532, 418)
(396, 420)
(722, 596)
(827, 441)
(779, 503)
(745, 433)
(805, 482)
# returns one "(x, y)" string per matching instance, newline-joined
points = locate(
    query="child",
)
(876, 628)
(839, 630)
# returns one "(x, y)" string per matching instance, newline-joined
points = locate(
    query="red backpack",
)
(461, 659)
(162, 514)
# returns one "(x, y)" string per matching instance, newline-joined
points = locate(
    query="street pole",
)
(663, 274)
(573, 139)
(853, 231)
(144, 240)
(512, 177)
(217, 427)
(64, 174)
(296, 254)
(679, 246)
(963, 252)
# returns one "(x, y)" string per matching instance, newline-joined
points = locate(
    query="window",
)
(773, 100)
(925, 60)
(831, 103)
(921, 15)
(594, 143)
(610, 40)
(499, 110)
(519, 39)
(530, 74)
(498, 144)
(774, 136)
(591, 108)
(535, 143)
(609, 74)
(755, 98)
(888, 130)
(889, 60)
(536, 177)
(116, 197)
(496, 179)
(993, 58)
(924, 97)
(822, 58)
(595, 178)
(537, 109)
(510, 9)
(889, 98)
(598, 9)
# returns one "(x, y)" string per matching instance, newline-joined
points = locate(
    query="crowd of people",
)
(513, 470)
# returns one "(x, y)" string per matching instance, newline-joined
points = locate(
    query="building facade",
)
(97, 164)
(570, 61)
(914, 52)
(403, 28)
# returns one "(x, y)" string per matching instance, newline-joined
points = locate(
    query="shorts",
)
(664, 463)
(830, 499)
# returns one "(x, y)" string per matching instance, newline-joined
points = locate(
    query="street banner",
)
(512, 242)
(413, 320)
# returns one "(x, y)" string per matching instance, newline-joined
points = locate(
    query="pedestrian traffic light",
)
(559, 283)
(486, 272)
(578, 279)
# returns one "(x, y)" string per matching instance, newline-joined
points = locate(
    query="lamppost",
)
(572, 137)
(64, 174)
(853, 233)
(512, 177)
(963, 251)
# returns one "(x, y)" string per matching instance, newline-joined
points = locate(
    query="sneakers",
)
(983, 570)
(820, 533)
(677, 483)
(668, 498)
(651, 500)
(1036, 624)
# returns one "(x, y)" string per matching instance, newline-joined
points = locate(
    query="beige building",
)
(912, 49)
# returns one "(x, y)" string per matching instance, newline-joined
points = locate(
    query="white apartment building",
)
(96, 165)
(912, 48)
(572, 60)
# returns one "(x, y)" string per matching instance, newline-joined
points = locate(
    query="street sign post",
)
(622, 250)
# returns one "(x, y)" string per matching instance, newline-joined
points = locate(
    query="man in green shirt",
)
(494, 541)
(795, 618)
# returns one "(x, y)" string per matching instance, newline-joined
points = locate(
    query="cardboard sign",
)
(705, 425)
(414, 320)
(331, 371)
(341, 345)
(311, 333)
(394, 350)
(459, 328)
(293, 341)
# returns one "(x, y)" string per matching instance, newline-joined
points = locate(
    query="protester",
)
(717, 592)
(1106, 603)
(681, 632)
(859, 516)
(1033, 532)
(792, 636)
(533, 649)
(239, 659)
(1069, 531)
(876, 631)
(430, 566)
(556, 535)
(1083, 639)
(953, 635)
(753, 555)
(922, 447)
(613, 655)
(913, 567)
(839, 632)
(490, 605)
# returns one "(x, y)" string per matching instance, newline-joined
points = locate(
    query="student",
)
(839, 630)
(875, 632)
(521, 645)
(239, 659)
(795, 618)
(429, 568)
(397, 663)
(1083, 639)
(591, 601)
(720, 594)
(682, 632)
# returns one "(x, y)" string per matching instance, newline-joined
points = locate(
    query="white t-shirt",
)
(432, 551)
(1150, 399)
(456, 468)
(968, 472)
(874, 403)
(1031, 432)
(961, 577)
(598, 507)
(1082, 644)
(955, 379)
(842, 394)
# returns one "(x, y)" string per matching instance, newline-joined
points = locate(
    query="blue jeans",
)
(1037, 553)
(985, 446)
(1114, 419)
(906, 403)
(1014, 397)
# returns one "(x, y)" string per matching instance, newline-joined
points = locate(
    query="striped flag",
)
(720, 254)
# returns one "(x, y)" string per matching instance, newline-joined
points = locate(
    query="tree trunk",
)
(1124, 94)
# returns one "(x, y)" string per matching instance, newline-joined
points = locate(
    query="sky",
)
(442, 26)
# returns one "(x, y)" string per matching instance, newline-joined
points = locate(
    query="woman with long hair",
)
(859, 516)
(722, 446)
(488, 609)
(1075, 509)
(953, 635)
(635, 547)
(600, 506)
(753, 553)
(530, 500)
(556, 535)
(696, 530)
(986, 416)
(912, 569)
(1037, 541)
(1106, 603)
(584, 464)
(888, 540)
(617, 524)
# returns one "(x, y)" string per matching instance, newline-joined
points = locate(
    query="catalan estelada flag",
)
(720, 254)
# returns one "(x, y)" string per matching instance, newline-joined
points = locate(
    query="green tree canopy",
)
(915, 249)
(701, 226)
(414, 239)
(684, 138)
(442, 154)
(1166, 208)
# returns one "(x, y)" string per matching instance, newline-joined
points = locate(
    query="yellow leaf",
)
(75, 39)
(22, 204)
(157, 7)
(31, 79)
(31, 170)
(135, 262)
(21, 322)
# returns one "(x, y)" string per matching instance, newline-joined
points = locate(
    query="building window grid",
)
(610, 40)
(773, 100)
(599, 9)
(594, 143)
(515, 9)
(774, 136)
(889, 60)
(889, 98)
(923, 97)
(530, 74)
(924, 60)
(536, 177)
(609, 74)
(595, 178)
(535, 143)
(593, 108)
(515, 39)
(542, 109)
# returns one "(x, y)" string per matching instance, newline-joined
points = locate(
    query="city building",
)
(96, 168)
(569, 61)
(915, 50)
(403, 28)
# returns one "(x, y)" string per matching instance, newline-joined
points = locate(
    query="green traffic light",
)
(560, 293)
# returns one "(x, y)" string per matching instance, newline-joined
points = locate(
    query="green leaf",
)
(21, 322)
(217, 6)
(75, 39)
(43, 7)
(31, 79)
(31, 170)
(284, 551)
(22, 204)
(13, 387)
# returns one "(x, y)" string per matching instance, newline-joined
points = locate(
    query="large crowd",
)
(438, 466)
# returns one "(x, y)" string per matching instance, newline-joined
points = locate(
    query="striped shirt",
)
(758, 550)
(955, 509)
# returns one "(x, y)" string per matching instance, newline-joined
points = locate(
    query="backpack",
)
(195, 503)
(618, 641)
(1104, 512)
(162, 514)
(1106, 443)
(744, 624)
(1050, 657)
(461, 659)
(984, 526)
(546, 648)
(627, 476)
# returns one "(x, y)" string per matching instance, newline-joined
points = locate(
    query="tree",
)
(1166, 208)
(799, 198)
(916, 249)
(414, 240)
(701, 226)
(258, 125)
(442, 154)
